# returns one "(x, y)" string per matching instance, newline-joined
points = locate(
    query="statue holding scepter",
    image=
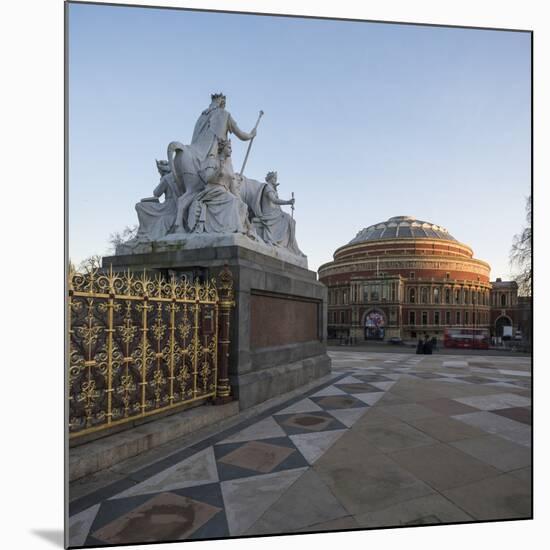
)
(278, 228)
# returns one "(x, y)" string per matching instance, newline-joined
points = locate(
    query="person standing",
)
(427, 345)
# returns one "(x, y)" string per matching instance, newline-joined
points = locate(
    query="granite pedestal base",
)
(278, 334)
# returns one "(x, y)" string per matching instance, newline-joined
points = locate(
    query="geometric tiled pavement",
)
(393, 439)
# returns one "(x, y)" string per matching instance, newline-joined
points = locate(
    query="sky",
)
(363, 121)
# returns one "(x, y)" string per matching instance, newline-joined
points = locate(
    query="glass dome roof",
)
(402, 227)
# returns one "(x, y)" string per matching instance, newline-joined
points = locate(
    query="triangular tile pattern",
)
(350, 380)
(329, 390)
(312, 446)
(305, 405)
(247, 499)
(384, 386)
(369, 398)
(246, 494)
(198, 469)
(264, 429)
(80, 524)
(349, 417)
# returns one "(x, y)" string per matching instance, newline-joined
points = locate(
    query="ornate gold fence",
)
(140, 345)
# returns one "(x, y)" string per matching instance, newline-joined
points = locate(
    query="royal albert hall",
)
(406, 278)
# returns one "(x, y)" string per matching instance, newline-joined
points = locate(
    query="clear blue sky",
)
(363, 121)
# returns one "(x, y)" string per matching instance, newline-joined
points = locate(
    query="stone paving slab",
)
(429, 509)
(502, 497)
(442, 466)
(367, 482)
(445, 429)
(393, 437)
(385, 440)
(496, 451)
(306, 503)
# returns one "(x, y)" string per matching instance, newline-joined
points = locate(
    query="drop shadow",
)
(55, 536)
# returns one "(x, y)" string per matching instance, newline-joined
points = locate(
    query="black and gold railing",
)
(142, 345)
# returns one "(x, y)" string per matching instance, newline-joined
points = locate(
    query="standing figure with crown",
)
(187, 162)
(213, 124)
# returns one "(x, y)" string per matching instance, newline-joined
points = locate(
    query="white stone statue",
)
(189, 162)
(218, 208)
(275, 226)
(156, 218)
(207, 205)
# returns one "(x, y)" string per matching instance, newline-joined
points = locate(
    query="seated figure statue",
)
(218, 208)
(157, 218)
(277, 227)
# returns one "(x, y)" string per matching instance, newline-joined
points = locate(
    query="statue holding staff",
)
(188, 161)
(277, 228)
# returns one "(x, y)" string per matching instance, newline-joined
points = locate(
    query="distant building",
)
(406, 278)
(510, 310)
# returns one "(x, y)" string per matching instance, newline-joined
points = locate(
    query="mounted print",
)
(299, 275)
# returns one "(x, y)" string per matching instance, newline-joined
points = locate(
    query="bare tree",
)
(90, 263)
(119, 237)
(520, 254)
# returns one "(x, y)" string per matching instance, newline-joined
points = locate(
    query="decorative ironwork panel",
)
(140, 345)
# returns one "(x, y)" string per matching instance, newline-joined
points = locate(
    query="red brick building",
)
(406, 278)
(510, 310)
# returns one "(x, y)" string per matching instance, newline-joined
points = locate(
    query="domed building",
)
(405, 278)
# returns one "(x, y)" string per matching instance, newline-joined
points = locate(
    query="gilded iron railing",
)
(139, 346)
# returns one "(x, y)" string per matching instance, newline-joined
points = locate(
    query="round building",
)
(405, 278)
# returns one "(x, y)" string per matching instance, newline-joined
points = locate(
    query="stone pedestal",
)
(278, 325)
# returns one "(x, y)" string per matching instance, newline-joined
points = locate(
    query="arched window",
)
(412, 295)
(457, 296)
(447, 295)
(436, 295)
(503, 300)
(424, 295)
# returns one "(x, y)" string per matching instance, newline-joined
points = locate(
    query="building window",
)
(424, 295)
(436, 317)
(412, 318)
(447, 295)
(424, 317)
(345, 300)
(466, 318)
(466, 296)
(436, 295)
(457, 296)
(342, 317)
(412, 295)
(411, 275)
(374, 295)
(457, 318)
(447, 317)
(393, 292)
(447, 275)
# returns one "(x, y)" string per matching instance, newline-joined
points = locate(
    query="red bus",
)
(473, 338)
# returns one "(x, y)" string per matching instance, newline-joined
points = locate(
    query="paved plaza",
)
(388, 439)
